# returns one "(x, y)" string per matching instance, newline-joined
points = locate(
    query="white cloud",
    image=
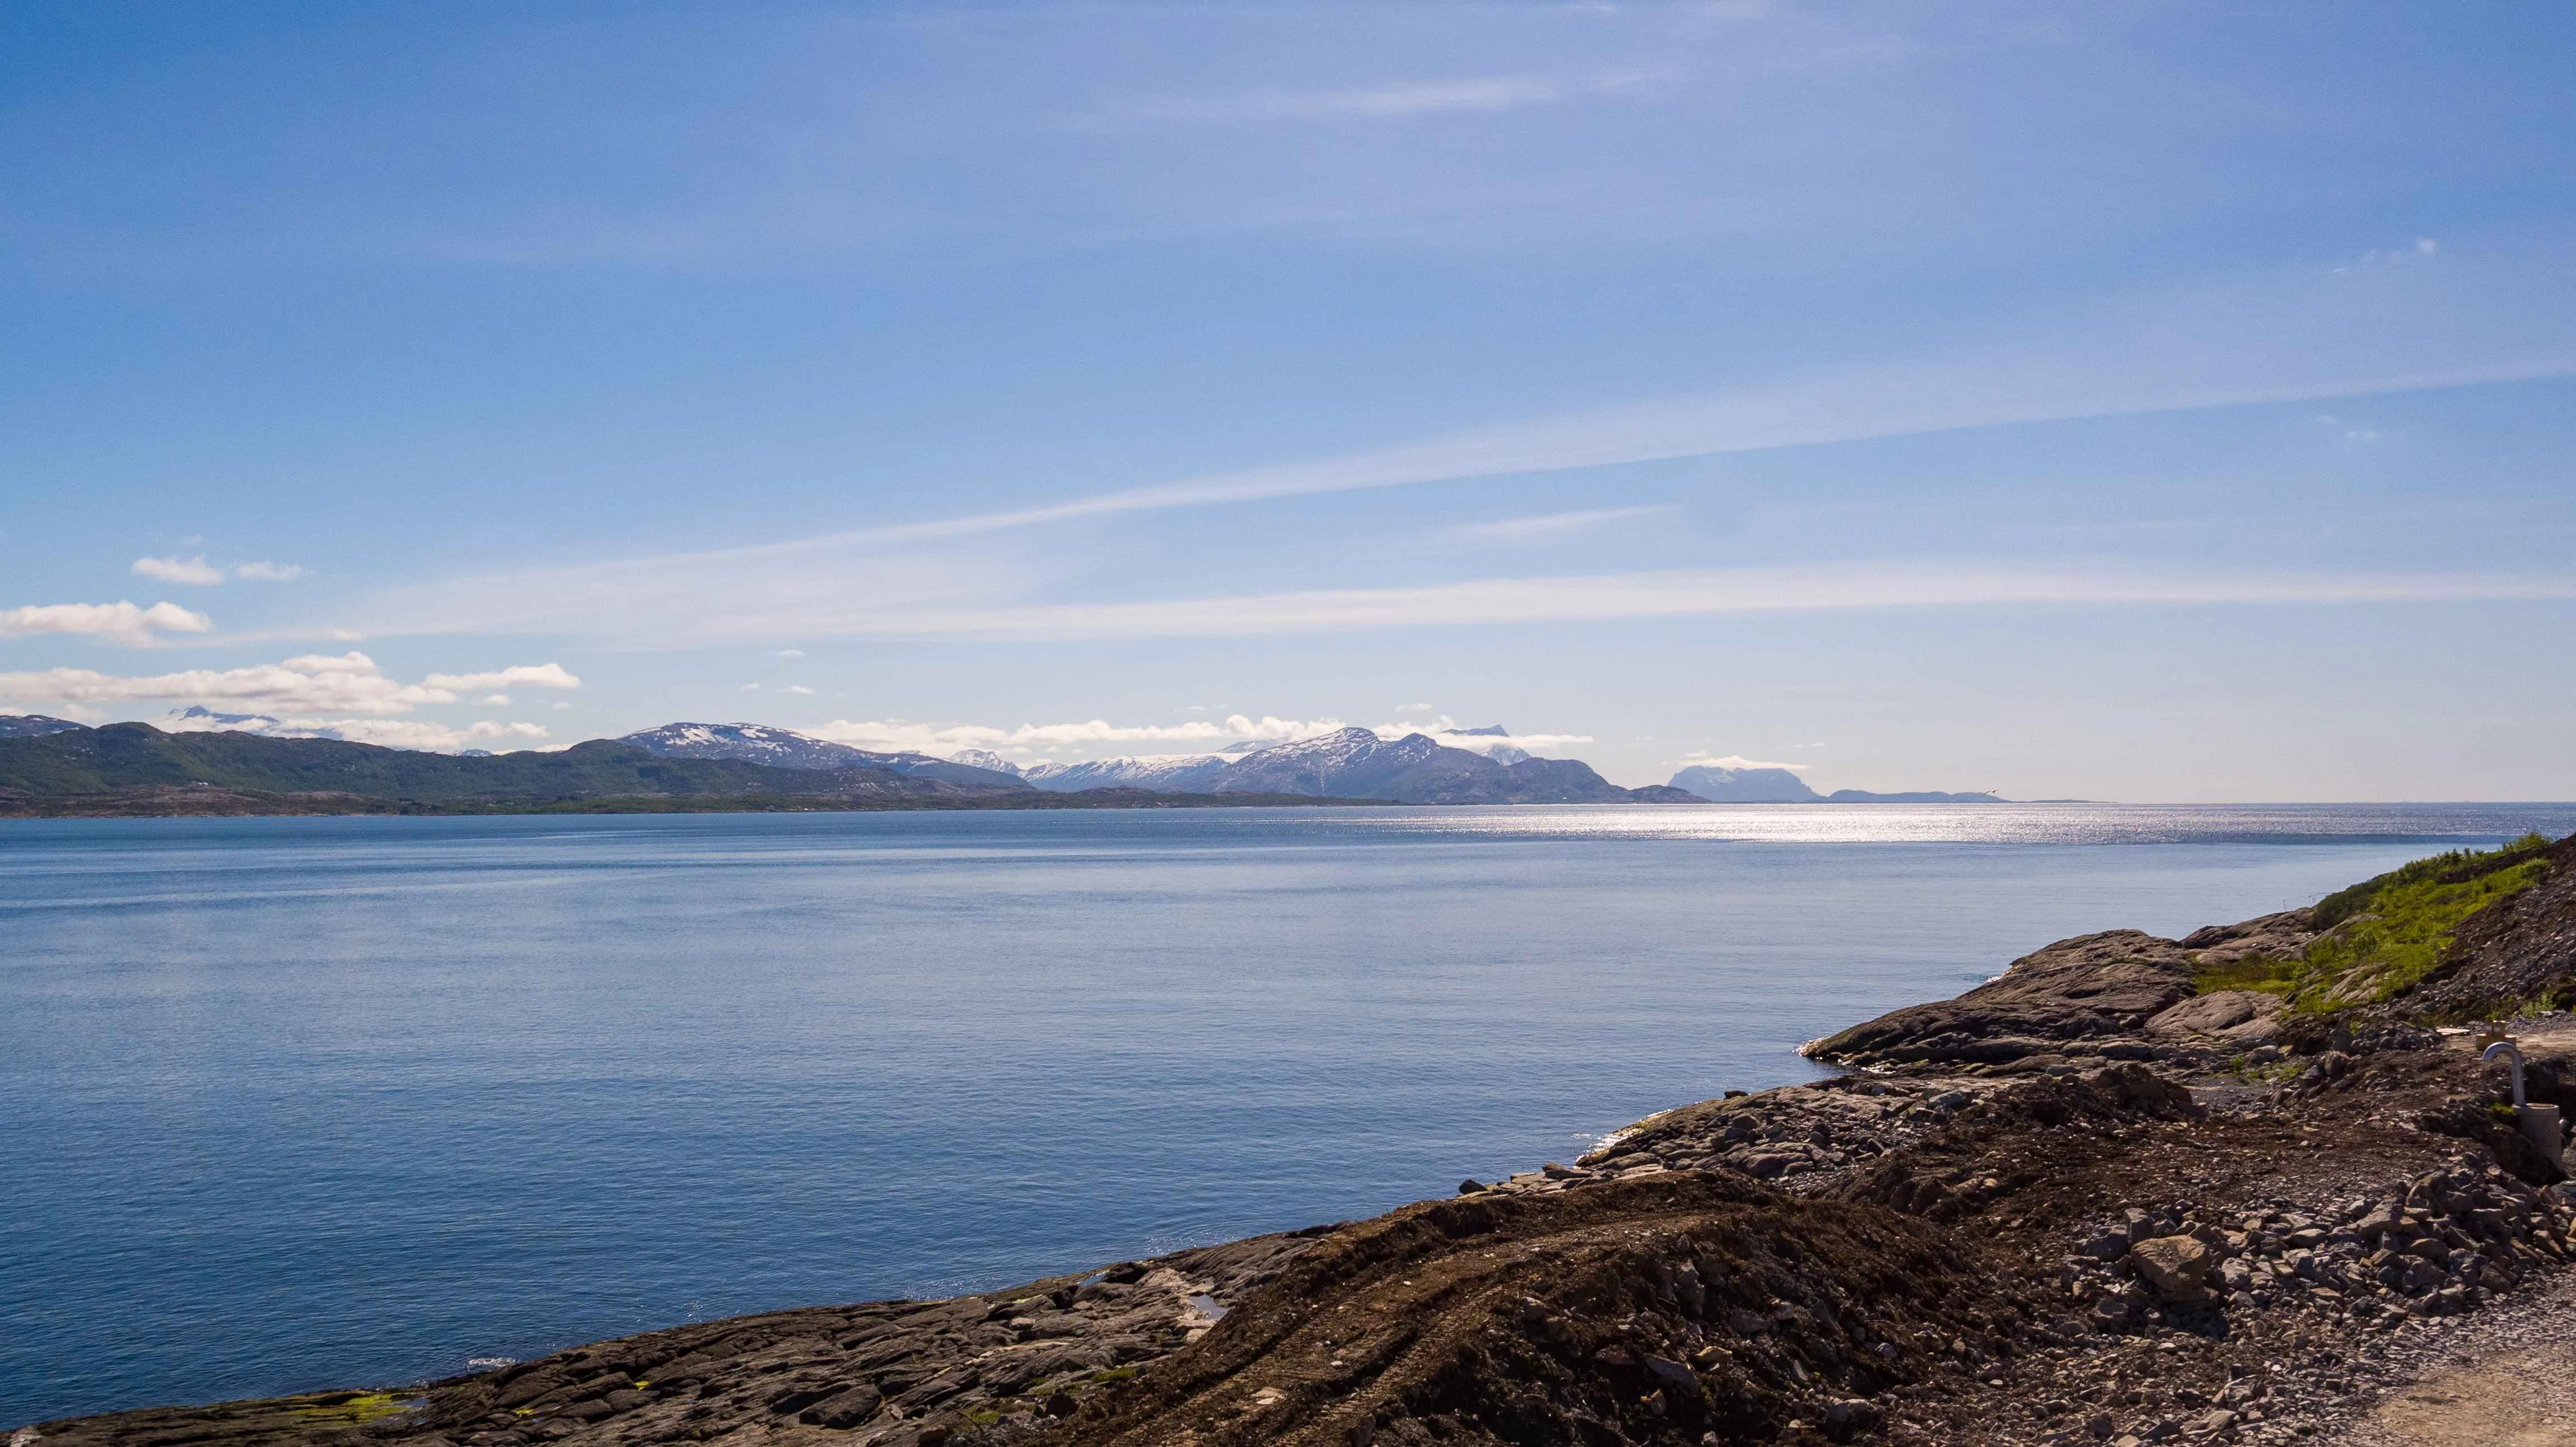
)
(539, 675)
(199, 572)
(178, 570)
(1413, 708)
(386, 733)
(1445, 730)
(117, 622)
(798, 688)
(495, 700)
(348, 683)
(1549, 525)
(1195, 736)
(1738, 761)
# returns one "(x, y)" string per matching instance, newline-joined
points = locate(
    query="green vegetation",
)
(2460, 864)
(2385, 934)
(348, 1407)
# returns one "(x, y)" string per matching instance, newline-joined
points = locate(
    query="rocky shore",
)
(2109, 1197)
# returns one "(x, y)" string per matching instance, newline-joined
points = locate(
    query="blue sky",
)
(2127, 401)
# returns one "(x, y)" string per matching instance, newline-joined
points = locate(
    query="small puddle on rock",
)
(1207, 1306)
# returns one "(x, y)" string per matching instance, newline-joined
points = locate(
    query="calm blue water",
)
(293, 1103)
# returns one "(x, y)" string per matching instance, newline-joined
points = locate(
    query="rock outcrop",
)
(2121, 995)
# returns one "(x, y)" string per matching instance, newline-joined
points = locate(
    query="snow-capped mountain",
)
(985, 759)
(1721, 785)
(1354, 763)
(1171, 773)
(34, 725)
(1474, 739)
(787, 749)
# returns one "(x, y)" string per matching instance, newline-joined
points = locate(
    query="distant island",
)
(1770, 784)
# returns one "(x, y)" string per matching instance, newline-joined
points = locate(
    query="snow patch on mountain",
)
(787, 749)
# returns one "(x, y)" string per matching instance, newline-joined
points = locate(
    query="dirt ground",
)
(2506, 1381)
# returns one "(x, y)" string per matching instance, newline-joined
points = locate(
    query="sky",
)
(2128, 401)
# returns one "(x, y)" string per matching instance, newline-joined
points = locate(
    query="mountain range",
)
(1415, 769)
(118, 765)
(50, 765)
(1351, 763)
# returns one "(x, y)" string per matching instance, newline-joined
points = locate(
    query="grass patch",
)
(2254, 972)
(2458, 865)
(351, 1407)
(2385, 934)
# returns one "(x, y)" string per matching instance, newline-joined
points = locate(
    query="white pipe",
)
(2515, 1052)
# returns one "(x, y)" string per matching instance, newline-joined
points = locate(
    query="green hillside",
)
(138, 756)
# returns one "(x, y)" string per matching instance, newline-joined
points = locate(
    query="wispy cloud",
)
(197, 572)
(124, 623)
(1681, 594)
(2424, 249)
(1550, 525)
(2229, 343)
(1390, 100)
(347, 683)
(194, 571)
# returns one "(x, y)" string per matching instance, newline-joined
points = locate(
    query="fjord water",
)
(304, 1102)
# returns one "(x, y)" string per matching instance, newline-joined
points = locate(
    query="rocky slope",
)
(2461, 936)
(2122, 994)
(2520, 950)
(2042, 1244)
